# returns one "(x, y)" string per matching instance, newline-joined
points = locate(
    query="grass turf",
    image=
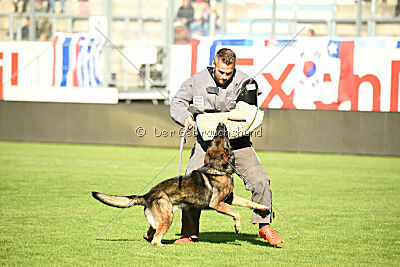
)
(347, 207)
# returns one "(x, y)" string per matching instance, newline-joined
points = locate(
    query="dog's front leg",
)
(222, 207)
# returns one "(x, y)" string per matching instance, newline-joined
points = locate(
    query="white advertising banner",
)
(24, 64)
(319, 73)
(69, 69)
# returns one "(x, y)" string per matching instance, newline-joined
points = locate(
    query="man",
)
(182, 34)
(186, 13)
(217, 89)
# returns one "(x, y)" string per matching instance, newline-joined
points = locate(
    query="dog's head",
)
(219, 155)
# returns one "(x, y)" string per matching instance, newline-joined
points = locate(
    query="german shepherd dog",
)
(209, 187)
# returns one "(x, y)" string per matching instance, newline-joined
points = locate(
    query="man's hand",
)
(189, 120)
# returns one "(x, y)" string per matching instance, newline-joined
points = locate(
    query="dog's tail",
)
(119, 201)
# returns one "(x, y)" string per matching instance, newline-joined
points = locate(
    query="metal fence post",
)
(333, 20)
(371, 27)
(273, 18)
(169, 40)
(107, 48)
(32, 22)
(359, 17)
(293, 24)
(140, 20)
(11, 29)
(18, 37)
(224, 8)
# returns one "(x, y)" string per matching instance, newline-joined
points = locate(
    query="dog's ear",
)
(207, 159)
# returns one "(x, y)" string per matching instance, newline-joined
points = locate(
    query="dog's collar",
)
(213, 171)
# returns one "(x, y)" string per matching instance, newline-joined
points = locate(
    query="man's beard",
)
(217, 80)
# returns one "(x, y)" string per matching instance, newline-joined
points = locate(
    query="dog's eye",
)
(222, 156)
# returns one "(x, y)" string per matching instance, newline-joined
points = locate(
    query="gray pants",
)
(255, 179)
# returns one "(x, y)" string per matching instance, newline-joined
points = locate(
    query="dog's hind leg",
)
(150, 234)
(163, 214)
(160, 231)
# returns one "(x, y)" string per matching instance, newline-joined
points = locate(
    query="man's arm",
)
(179, 109)
(248, 92)
(189, 120)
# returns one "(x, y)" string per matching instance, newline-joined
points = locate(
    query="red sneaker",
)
(186, 239)
(268, 233)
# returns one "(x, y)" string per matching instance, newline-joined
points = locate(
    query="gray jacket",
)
(193, 91)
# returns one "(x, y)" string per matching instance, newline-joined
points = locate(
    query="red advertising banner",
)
(319, 73)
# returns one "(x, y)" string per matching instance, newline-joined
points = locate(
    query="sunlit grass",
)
(347, 208)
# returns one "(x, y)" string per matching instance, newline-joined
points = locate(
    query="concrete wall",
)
(282, 130)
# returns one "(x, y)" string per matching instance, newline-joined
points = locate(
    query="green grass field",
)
(347, 207)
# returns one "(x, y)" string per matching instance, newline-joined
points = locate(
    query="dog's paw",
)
(147, 238)
(262, 212)
(165, 245)
(238, 229)
(238, 226)
(159, 244)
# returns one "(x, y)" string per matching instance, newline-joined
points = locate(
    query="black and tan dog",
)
(209, 187)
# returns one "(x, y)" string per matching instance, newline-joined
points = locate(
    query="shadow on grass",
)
(213, 237)
(231, 237)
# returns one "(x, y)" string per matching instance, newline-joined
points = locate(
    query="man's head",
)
(224, 65)
(185, 3)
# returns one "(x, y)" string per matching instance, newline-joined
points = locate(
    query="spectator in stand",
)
(182, 34)
(38, 6)
(24, 6)
(310, 32)
(15, 3)
(51, 5)
(205, 18)
(43, 30)
(397, 11)
(84, 7)
(25, 30)
(186, 14)
(62, 2)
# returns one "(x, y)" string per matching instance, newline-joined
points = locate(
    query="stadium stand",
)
(244, 17)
